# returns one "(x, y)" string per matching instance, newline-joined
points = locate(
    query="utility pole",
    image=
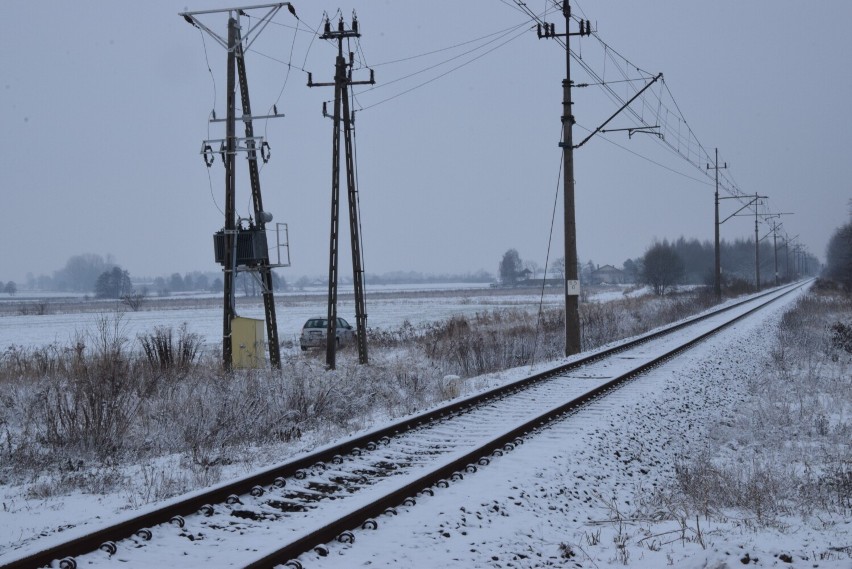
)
(775, 226)
(229, 267)
(786, 258)
(342, 82)
(572, 282)
(238, 248)
(752, 202)
(787, 273)
(717, 272)
(775, 250)
(756, 242)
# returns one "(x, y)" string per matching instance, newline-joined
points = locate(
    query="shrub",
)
(162, 353)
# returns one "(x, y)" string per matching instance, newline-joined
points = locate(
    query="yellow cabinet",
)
(248, 346)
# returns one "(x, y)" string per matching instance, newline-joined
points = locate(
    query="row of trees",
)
(690, 261)
(838, 256)
(9, 288)
(90, 272)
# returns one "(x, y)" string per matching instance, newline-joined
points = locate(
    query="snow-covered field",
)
(386, 311)
(598, 490)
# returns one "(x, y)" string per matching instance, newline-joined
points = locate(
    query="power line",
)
(444, 74)
(453, 58)
(454, 46)
(681, 141)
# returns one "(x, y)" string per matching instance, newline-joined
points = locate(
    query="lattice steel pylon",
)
(242, 249)
(342, 82)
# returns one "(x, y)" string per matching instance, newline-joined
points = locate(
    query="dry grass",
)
(794, 427)
(78, 416)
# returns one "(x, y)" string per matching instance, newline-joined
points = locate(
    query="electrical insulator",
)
(327, 27)
(539, 30)
(552, 30)
(340, 25)
(355, 25)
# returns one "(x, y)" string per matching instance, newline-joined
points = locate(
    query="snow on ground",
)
(578, 494)
(62, 328)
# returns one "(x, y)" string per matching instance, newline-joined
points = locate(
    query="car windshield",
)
(316, 323)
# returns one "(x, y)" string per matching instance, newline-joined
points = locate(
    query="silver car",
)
(315, 329)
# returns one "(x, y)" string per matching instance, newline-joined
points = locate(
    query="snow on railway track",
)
(322, 496)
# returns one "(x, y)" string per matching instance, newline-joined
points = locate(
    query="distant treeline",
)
(737, 259)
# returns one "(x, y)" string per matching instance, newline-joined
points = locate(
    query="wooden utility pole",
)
(775, 250)
(263, 266)
(342, 114)
(229, 267)
(572, 281)
(717, 271)
(242, 247)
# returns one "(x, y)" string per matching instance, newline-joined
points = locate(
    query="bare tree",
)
(558, 268)
(134, 300)
(662, 268)
(533, 267)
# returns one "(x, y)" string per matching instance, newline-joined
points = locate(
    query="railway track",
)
(272, 517)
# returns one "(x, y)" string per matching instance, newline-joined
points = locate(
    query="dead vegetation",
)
(792, 435)
(78, 416)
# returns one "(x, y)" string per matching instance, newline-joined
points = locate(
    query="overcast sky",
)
(105, 106)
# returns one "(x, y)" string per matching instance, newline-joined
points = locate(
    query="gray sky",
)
(104, 106)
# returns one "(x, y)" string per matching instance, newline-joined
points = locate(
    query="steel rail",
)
(505, 442)
(192, 504)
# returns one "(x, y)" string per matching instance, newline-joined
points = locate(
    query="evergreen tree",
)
(114, 283)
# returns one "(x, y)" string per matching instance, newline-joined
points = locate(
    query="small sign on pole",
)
(572, 288)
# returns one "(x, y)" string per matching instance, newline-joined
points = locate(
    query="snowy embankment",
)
(607, 486)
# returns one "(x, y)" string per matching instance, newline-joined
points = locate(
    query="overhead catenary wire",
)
(681, 141)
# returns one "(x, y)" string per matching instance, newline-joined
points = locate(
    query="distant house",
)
(607, 275)
(524, 275)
